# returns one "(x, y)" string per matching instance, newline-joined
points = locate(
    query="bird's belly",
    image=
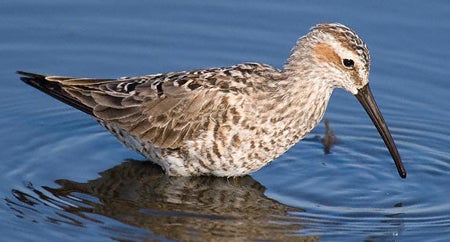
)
(237, 153)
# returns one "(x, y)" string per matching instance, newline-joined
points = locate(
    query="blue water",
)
(65, 178)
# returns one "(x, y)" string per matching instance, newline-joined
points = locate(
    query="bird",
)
(228, 121)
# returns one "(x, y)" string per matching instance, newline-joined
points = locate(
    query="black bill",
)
(366, 99)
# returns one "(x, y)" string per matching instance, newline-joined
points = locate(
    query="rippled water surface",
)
(64, 177)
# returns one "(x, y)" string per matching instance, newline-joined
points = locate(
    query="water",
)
(64, 177)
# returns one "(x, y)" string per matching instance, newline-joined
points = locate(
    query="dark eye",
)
(348, 63)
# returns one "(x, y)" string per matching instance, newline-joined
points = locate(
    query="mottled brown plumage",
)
(226, 121)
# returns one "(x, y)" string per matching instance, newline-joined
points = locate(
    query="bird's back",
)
(200, 114)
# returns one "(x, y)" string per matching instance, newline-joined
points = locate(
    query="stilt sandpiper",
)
(227, 121)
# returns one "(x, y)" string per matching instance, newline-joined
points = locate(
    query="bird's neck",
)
(306, 88)
(301, 104)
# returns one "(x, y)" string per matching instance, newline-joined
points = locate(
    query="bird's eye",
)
(348, 63)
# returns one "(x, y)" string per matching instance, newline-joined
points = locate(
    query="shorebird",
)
(228, 121)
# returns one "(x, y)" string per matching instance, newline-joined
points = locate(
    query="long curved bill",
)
(366, 99)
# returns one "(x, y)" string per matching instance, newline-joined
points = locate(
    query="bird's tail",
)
(54, 86)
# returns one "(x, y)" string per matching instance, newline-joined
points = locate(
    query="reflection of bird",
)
(202, 208)
(227, 121)
(329, 139)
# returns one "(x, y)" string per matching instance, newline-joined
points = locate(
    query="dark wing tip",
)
(54, 89)
(32, 79)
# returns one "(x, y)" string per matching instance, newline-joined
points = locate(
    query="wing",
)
(164, 109)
